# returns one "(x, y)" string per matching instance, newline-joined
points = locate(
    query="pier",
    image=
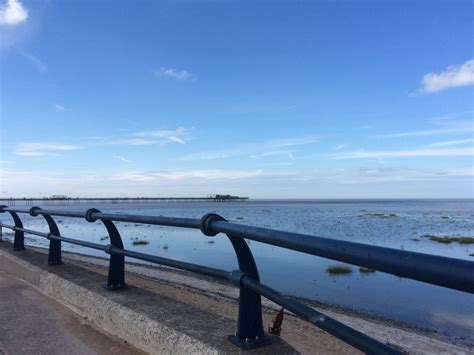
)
(65, 201)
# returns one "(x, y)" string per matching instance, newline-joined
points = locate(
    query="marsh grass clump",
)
(366, 270)
(463, 240)
(448, 240)
(140, 242)
(338, 270)
(381, 215)
(444, 240)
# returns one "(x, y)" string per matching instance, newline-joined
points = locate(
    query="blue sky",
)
(287, 99)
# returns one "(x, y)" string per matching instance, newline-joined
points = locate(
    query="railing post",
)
(54, 256)
(250, 333)
(19, 242)
(116, 277)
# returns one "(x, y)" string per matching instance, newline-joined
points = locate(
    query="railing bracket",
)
(116, 277)
(251, 343)
(54, 255)
(19, 241)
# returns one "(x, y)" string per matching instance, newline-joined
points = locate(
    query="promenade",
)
(33, 323)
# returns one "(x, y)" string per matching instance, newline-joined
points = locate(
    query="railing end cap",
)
(90, 214)
(205, 225)
(34, 211)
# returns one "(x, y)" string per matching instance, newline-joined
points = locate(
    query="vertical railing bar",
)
(116, 275)
(250, 333)
(19, 241)
(54, 254)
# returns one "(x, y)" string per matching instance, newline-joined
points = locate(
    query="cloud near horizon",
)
(12, 13)
(317, 184)
(214, 174)
(409, 153)
(35, 149)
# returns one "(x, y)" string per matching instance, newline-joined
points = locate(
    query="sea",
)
(394, 223)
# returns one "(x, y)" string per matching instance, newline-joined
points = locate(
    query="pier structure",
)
(57, 200)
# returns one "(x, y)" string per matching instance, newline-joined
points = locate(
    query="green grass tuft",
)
(381, 215)
(448, 240)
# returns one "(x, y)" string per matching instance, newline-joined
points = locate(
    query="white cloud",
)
(42, 149)
(121, 159)
(217, 174)
(59, 107)
(453, 76)
(422, 152)
(12, 13)
(178, 74)
(341, 146)
(178, 135)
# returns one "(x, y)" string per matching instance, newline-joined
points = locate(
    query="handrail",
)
(447, 272)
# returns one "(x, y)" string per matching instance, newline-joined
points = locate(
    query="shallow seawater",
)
(398, 224)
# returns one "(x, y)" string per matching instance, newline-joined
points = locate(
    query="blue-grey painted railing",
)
(447, 272)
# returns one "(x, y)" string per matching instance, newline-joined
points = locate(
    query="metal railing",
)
(437, 270)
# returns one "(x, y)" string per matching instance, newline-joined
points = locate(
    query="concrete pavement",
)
(32, 323)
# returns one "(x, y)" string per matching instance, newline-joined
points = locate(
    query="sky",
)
(266, 99)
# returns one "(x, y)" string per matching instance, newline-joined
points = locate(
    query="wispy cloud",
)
(178, 135)
(286, 153)
(177, 74)
(43, 149)
(446, 126)
(430, 132)
(341, 146)
(148, 176)
(453, 76)
(59, 107)
(12, 13)
(121, 159)
(252, 149)
(133, 141)
(450, 143)
(422, 152)
(37, 63)
(387, 175)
